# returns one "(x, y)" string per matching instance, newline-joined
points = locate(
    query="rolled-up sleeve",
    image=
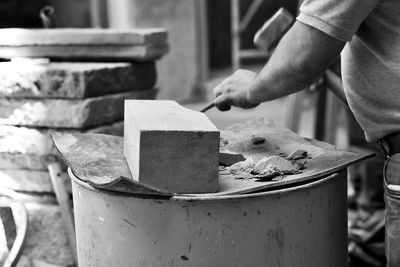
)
(337, 18)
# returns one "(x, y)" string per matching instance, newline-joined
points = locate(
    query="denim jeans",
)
(392, 199)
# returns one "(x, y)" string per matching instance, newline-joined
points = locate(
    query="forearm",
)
(301, 57)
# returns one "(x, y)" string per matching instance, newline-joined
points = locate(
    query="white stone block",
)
(171, 147)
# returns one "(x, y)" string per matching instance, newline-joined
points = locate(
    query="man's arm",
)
(301, 57)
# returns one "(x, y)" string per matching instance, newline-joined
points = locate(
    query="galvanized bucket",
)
(305, 225)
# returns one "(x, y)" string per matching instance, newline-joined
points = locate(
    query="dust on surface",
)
(270, 167)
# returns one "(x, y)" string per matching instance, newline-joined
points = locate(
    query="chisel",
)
(209, 106)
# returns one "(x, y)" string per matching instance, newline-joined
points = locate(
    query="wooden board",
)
(99, 160)
(71, 36)
(87, 53)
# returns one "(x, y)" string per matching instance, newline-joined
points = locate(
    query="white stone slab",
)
(73, 80)
(63, 113)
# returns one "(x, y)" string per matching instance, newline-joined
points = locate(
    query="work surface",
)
(99, 159)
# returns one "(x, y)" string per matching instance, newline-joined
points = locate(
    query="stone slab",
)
(74, 36)
(32, 148)
(62, 113)
(29, 181)
(116, 128)
(88, 53)
(73, 80)
(171, 147)
(12, 161)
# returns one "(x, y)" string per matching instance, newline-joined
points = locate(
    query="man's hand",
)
(300, 58)
(233, 91)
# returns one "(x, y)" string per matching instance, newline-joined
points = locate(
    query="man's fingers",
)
(223, 103)
(218, 90)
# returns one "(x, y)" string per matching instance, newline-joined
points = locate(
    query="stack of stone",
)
(39, 97)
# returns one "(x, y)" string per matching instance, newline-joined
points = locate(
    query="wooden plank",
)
(202, 58)
(62, 113)
(73, 80)
(293, 112)
(235, 34)
(334, 83)
(64, 202)
(87, 53)
(81, 37)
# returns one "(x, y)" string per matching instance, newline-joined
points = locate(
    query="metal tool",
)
(209, 106)
(269, 35)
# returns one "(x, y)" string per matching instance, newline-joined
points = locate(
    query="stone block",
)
(114, 53)
(12, 161)
(37, 141)
(30, 181)
(116, 128)
(171, 147)
(73, 36)
(62, 113)
(73, 80)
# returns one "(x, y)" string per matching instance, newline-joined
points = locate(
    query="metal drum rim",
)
(207, 198)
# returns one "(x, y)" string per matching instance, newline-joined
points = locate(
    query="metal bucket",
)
(305, 225)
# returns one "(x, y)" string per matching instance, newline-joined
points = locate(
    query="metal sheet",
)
(99, 159)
